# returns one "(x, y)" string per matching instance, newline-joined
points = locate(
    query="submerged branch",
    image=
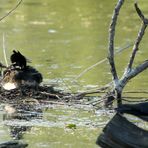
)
(100, 90)
(137, 91)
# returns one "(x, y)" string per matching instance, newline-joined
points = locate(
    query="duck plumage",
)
(19, 73)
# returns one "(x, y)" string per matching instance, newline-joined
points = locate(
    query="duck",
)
(20, 74)
(17, 59)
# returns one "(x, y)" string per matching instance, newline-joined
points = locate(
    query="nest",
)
(43, 93)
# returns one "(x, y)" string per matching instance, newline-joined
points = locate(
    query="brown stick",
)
(50, 95)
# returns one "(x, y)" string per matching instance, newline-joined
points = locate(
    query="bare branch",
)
(139, 38)
(100, 62)
(11, 10)
(100, 90)
(140, 68)
(139, 12)
(111, 39)
(91, 67)
(134, 72)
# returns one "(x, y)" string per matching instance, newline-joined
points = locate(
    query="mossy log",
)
(121, 133)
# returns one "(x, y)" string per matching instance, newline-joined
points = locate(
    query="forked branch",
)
(139, 37)
(130, 72)
(134, 72)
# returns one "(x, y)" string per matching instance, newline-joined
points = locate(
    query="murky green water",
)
(62, 38)
(52, 130)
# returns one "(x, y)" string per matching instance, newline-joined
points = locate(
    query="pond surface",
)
(60, 126)
(63, 38)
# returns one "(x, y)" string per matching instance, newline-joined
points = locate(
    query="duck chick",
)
(9, 82)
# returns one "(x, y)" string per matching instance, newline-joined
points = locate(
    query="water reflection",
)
(48, 125)
(24, 111)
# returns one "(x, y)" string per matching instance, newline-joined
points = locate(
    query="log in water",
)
(120, 133)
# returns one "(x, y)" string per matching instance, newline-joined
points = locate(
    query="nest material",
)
(43, 93)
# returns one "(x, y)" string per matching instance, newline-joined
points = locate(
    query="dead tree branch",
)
(139, 38)
(134, 72)
(111, 49)
(111, 39)
(140, 68)
(14, 8)
(139, 12)
(100, 90)
(130, 72)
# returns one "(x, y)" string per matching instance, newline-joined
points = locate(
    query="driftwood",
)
(120, 133)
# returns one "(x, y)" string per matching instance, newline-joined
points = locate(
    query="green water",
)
(62, 38)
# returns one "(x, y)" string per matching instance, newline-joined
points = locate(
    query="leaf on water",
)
(71, 126)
